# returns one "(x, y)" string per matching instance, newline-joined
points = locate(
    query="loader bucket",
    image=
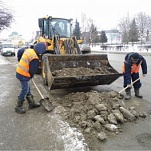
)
(79, 70)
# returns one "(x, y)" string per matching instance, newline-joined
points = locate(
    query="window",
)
(61, 27)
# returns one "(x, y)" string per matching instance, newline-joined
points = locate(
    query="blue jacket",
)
(40, 48)
(20, 53)
(128, 64)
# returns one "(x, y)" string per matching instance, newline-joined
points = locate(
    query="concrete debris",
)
(97, 113)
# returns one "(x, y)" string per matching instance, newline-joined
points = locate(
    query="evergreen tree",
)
(133, 32)
(76, 30)
(125, 37)
(103, 37)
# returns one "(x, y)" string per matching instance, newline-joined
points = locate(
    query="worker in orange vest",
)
(130, 70)
(27, 67)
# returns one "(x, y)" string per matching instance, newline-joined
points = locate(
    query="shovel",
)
(129, 86)
(122, 96)
(44, 102)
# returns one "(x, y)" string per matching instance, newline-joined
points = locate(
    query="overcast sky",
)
(106, 14)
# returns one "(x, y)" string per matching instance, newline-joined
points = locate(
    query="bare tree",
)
(143, 22)
(6, 17)
(124, 26)
(83, 21)
(93, 33)
(89, 28)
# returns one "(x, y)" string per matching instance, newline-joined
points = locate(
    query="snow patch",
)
(3, 97)
(3, 60)
(72, 138)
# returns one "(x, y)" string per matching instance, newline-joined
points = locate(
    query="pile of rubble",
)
(98, 113)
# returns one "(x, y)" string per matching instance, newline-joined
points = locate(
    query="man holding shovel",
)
(130, 70)
(27, 67)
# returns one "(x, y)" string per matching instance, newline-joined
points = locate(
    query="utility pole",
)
(141, 39)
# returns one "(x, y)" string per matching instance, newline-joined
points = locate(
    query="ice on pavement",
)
(73, 140)
(4, 60)
(71, 137)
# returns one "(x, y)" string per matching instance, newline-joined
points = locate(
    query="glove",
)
(144, 75)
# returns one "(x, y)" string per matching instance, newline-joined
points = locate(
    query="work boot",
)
(137, 94)
(128, 94)
(31, 102)
(19, 107)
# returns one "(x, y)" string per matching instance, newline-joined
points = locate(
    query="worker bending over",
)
(27, 67)
(130, 68)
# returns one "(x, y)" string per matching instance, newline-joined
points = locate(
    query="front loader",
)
(63, 65)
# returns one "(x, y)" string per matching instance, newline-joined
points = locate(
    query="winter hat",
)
(135, 56)
(40, 48)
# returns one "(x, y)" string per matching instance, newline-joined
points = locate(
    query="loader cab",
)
(55, 26)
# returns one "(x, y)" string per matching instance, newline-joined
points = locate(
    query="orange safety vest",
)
(134, 68)
(23, 65)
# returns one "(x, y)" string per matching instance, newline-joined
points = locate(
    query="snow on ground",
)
(72, 138)
(124, 49)
(4, 60)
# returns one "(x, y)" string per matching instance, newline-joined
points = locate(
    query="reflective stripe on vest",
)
(134, 68)
(23, 65)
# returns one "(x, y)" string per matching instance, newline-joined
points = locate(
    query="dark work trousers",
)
(25, 90)
(134, 76)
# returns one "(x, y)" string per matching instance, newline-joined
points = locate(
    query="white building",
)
(16, 39)
(113, 36)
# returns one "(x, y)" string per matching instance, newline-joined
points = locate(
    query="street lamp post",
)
(141, 39)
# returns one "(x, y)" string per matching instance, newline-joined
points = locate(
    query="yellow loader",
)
(63, 53)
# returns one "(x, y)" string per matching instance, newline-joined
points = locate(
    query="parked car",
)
(7, 48)
(85, 48)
